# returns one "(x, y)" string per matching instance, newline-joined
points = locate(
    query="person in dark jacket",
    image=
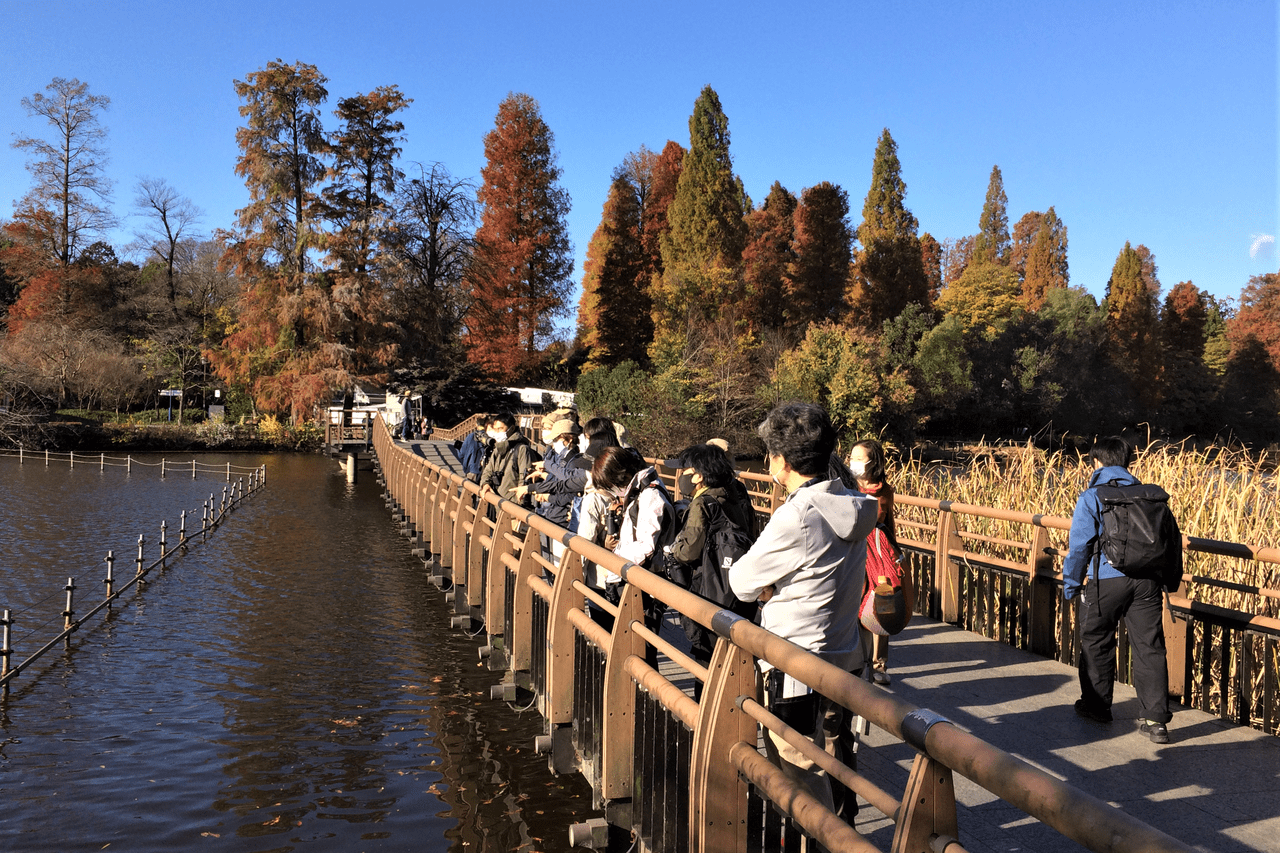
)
(716, 491)
(1108, 596)
(474, 449)
(512, 458)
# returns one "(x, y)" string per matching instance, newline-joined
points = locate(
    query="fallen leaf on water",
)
(210, 835)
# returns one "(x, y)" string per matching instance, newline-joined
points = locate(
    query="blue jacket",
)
(471, 454)
(1086, 527)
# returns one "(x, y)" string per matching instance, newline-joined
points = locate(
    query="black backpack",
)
(1140, 536)
(726, 542)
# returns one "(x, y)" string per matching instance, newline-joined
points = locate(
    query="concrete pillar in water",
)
(351, 467)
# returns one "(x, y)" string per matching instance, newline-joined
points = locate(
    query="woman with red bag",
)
(866, 462)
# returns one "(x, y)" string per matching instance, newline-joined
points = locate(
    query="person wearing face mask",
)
(511, 460)
(647, 518)
(552, 489)
(474, 449)
(716, 492)
(866, 462)
(805, 568)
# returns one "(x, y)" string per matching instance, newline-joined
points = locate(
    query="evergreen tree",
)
(992, 244)
(663, 181)
(768, 257)
(614, 312)
(520, 278)
(1046, 262)
(889, 274)
(1024, 237)
(702, 251)
(819, 274)
(1189, 389)
(1132, 327)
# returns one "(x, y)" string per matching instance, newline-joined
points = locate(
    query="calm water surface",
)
(291, 684)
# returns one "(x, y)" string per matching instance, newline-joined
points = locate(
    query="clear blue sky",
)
(1150, 122)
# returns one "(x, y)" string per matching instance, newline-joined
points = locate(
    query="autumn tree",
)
(277, 348)
(664, 178)
(614, 312)
(889, 272)
(520, 278)
(818, 276)
(1259, 315)
(1046, 261)
(1132, 314)
(957, 254)
(702, 250)
(983, 300)
(68, 204)
(168, 218)
(992, 243)
(282, 146)
(1024, 235)
(768, 257)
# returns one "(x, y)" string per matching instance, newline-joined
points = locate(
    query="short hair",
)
(1112, 451)
(615, 467)
(601, 429)
(710, 462)
(506, 418)
(802, 434)
(875, 460)
(483, 419)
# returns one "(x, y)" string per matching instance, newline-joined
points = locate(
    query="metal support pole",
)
(110, 580)
(351, 467)
(128, 464)
(46, 459)
(69, 613)
(182, 528)
(228, 472)
(163, 550)
(213, 517)
(224, 500)
(19, 454)
(161, 467)
(72, 458)
(6, 622)
(102, 461)
(193, 469)
(140, 542)
(204, 518)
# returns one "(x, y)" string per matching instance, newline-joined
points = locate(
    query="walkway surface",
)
(1215, 785)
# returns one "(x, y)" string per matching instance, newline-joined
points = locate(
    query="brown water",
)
(291, 684)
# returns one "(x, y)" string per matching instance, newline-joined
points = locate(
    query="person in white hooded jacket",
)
(807, 568)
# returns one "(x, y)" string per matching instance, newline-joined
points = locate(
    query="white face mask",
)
(559, 447)
(497, 436)
(859, 469)
(546, 436)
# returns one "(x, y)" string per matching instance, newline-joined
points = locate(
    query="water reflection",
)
(291, 683)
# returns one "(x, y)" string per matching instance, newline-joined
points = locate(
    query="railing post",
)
(161, 467)
(182, 528)
(1044, 594)
(102, 461)
(193, 469)
(69, 613)
(618, 741)
(141, 540)
(71, 457)
(204, 518)
(110, 579)
(223, 505)
(228, 472)
(718, 794)
(928, 806)
(6, 650)
(213, 519)
(1175, 640)
(946, 574)
(163, 552)
(128, 464)
(46, 459)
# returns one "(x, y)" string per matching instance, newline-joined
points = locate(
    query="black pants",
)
(1140, 603)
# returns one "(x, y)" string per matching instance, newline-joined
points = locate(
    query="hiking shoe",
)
(1158, 732)
(880, 677)
(1098, 715)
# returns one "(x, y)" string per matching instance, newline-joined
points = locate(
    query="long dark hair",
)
(615, 468)
(875, 460)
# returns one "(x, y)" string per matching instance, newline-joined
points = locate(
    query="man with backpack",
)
(1125, 549)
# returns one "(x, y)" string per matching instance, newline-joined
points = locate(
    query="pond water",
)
(290, 684)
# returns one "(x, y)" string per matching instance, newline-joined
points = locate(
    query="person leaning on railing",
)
(866, 462)
(806, 568)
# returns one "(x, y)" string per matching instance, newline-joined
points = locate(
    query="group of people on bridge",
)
(805, 575)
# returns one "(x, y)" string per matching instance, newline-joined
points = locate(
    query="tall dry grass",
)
(1215, 493)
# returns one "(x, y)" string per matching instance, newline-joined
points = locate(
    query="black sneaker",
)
(1098, 715)
(1158, 732)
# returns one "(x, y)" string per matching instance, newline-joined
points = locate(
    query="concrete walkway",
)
(1215, 786)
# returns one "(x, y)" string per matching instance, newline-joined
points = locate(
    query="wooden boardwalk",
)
(1215, 786)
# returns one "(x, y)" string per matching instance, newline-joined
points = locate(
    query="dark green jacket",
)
(689, 542)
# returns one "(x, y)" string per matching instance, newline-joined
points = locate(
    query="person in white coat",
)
(807, 569)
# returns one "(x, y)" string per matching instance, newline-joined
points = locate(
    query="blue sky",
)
(1154, 123)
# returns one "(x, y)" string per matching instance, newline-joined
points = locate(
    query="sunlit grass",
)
(1216, 493)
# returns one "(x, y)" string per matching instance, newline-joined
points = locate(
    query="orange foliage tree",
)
(520, 275)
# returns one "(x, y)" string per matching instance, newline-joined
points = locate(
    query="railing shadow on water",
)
(683, 775)
(214, 512)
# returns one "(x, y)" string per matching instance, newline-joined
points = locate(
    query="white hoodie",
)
(813, 552)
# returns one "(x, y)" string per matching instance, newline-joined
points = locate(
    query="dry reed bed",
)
(1216, 494)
